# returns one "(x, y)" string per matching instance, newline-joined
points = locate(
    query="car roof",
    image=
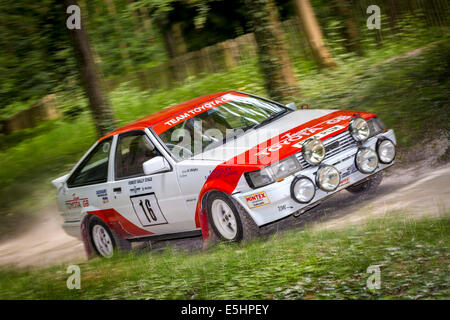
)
(163, 114)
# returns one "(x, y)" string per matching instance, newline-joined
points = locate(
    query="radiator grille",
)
(333, 146)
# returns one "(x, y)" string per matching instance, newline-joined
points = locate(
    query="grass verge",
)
(413, 257)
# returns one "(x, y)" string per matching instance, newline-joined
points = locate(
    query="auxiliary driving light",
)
(313, 151)
(386, 151)
(366, 160)
(303, 189)
(328, 178)
(359, 129)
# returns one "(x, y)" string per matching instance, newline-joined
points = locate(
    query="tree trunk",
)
(180, 45)
(90, 76)
(274, 60)
(135, 18)
(314, 34)
(146, 20)
(350, 32)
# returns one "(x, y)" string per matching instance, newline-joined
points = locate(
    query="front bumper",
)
(275, 201)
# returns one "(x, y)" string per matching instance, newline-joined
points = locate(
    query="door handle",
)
(117, 190)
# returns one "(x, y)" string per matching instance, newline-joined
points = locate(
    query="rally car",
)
(220, 166)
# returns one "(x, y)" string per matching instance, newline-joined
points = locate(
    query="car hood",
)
(273, 130)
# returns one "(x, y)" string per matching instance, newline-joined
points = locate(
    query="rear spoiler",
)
(59, 182)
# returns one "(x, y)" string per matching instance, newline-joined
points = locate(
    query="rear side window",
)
(132, 151)
(94, 169)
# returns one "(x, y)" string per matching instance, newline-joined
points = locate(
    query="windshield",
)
(213, 123)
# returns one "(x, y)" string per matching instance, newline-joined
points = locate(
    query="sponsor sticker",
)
(101, 193)
(344, 181)
(321, 134)
(194, 111)
(77, 202)
(257, 200)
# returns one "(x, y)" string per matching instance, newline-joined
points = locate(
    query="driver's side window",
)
(131, 152)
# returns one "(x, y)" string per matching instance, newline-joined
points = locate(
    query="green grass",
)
(413, 257)
(411, 95)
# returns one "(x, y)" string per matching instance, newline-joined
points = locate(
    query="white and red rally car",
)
(222, 166)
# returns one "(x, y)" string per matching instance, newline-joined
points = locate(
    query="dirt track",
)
(419, 190)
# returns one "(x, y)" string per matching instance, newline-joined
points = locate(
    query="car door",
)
(151, 202)
(86, 188)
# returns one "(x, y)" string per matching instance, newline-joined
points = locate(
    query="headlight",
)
(285, 167)
(366, 160)
(303, 189)
(270, 174)
(313, 151)
(359, 129)
(260, 178)
(386, 150)
(376, 126)
(328, 178)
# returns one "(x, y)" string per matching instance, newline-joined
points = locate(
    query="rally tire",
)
(117, 243)
(367, 186)
(246, 228)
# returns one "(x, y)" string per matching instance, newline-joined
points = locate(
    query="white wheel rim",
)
(102, 241)
(224, 219)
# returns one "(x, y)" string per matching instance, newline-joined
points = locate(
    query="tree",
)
(90, 76)
(314, 34)
(350, 31)
(273, 57)
(122, 44)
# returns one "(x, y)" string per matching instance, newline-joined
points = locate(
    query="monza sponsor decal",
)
(77, 202)
(257, 200)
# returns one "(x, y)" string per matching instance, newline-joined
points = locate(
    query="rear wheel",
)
(228, 220)
(367, 186)
(106, 241)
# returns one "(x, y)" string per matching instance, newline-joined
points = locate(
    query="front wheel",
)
(106, 241)
(229, 221)
(367, 186)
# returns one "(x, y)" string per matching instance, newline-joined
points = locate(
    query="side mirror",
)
(292, 106)
(155, 165)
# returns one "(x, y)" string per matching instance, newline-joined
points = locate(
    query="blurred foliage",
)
(412, 255)
(36, 57)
